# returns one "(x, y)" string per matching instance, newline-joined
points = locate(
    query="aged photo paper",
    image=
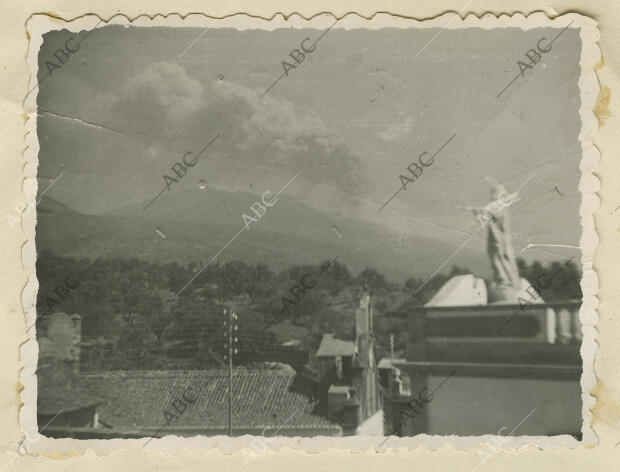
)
(248, 232)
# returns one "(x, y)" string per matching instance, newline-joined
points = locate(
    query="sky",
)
(348, 120)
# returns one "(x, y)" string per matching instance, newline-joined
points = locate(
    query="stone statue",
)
(495, 217)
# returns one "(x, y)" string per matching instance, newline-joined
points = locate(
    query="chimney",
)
(363, 323)
(76, 350)
(366, 380)
(337, 397)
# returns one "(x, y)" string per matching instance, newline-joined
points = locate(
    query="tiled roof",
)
(261, 399)
(53, 400)
(331, 347)
(57, 391)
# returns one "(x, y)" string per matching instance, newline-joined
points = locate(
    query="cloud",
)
(157, 100)
(260, 136)
(274, 135)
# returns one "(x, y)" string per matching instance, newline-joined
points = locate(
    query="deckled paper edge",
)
(37, 25)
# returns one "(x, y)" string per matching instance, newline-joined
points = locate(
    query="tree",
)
(555, 281)
(372, 278)
(336, 277)
(412, 284)
(308, 309)
(522, 267)
(235, 278)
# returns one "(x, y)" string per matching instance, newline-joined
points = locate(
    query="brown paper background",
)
(14, 78)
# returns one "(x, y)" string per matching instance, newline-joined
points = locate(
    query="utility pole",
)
(392, 346)
(232, 338)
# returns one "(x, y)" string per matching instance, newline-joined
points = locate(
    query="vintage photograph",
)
(303, 231)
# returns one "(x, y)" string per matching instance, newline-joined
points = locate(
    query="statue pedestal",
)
(501, 293)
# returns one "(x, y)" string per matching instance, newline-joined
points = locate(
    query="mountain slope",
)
(194, 226)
